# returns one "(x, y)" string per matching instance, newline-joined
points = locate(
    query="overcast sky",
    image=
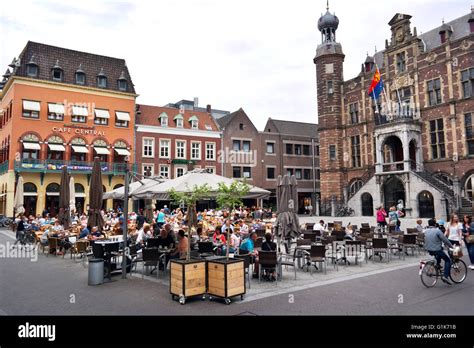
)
(254, 54)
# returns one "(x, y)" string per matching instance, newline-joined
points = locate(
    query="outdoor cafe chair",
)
(420, 242)
(206, 249)
(309, 225)
(364, 224)
(53, 243)
(409, 242)
(258, 243)
(310, 236)
(353, 251)
(80, 248)
(268, 261)
(133, 254)
(152, 242)
(151, 257)
(380, 246)
(247, 259)
(288, 260)
(317, 254)
(261, 232)
(412, 231)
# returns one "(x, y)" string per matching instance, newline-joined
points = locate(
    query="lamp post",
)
(456, 185)
(125, 224)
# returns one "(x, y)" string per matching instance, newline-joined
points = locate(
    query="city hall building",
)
(415, 144)
(59, 108)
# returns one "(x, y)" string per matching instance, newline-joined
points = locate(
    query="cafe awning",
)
(31, 105)
(122, 152)
(102, 151)
(80, 111)
(56, 147)
(102, 113)
(31, 146)
(123, 116)
(80, 149)
(56, 109)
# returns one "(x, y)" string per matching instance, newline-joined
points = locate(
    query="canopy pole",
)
(125, 222)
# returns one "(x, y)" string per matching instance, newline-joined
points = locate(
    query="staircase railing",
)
(431, 178)
(364, 178)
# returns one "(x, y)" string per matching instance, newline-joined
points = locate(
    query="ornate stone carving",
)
(353, 85)
(403, 81)
(430, 58)
(466, 44)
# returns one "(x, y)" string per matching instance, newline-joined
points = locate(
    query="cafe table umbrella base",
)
(226, 279)
(187, 279)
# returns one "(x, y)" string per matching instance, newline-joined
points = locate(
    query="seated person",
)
(268, 244)
(218, 236)
(94, 234)
(181, 249)
(165, 240)
(244, 229)
(248, 245)
(349, 233)
(234, 242)
(203, 237)
(57, 228)
(319, 226)
(84, 232)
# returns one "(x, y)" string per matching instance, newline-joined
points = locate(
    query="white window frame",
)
(168, 147)
(194, 124)
(179, 167)
(198, 157)
(152, 168)
(179, 123)
(168, 170)
(214, 147)
(164, 120)
(266, 147)
(152, 155)
(184, 149)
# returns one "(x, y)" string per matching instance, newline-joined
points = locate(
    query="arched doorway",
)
(52, 199)
(426, 205)
(30, 194)
(117, 202)
(412, 152)
(80, 197)
(393, 191)
(469, 188)
(392, 154)
(367, 204)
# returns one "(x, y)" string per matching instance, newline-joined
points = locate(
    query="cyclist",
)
(434, 240)
(20, 230)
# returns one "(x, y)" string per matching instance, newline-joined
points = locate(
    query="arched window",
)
(52, 189)
(30, 193)
(101, 150)
(56, 148)
(52, 199)
(57, 72)
(31, 147)
(121, 153)
(80, 197)
(355, 186)
(122, 82)
(30, 189)
(426, 205)
(79, 150)
(469, 187)
(102, 79)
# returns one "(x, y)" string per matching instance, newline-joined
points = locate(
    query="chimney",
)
(208, 108)
(196, 102)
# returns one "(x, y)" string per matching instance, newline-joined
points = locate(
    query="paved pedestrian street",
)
(58, 286)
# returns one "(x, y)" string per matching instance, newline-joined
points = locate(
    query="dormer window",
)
(80, 76)
(102, 79)
(194, 122)
(164, 120)
(57, 72)
(445, 33)
(122, 82)
(32, 70)
(179, 121)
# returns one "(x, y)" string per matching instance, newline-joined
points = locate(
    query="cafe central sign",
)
(79, 130)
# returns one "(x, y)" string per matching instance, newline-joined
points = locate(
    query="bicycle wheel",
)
(429, 274)
(458, 271)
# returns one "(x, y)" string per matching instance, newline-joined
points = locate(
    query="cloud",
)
(254, 54)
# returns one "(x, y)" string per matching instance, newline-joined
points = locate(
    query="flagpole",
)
(387, 99)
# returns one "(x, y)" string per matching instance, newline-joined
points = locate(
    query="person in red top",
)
(218, 236)
(381, 217)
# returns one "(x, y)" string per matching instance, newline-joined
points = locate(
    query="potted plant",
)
(188, 276)
(226, 278)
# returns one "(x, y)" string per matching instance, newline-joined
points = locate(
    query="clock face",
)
(400, 35)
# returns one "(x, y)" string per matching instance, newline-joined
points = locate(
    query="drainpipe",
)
(313, 198)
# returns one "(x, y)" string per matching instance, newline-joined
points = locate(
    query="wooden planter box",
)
(226, 279)
(187, 279)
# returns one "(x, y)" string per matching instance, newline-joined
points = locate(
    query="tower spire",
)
(327, 5)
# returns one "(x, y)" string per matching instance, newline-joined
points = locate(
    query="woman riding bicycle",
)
(434, 240)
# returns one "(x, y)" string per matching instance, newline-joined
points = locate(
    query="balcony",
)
(74, 167)
(383, 119)
(393, 167)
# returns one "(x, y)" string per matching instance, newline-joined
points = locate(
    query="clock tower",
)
(329, 81)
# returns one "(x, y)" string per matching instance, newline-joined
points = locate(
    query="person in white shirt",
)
(143, 234)
(454, 230)
(319, 226)
(234, 242)
(244, 229)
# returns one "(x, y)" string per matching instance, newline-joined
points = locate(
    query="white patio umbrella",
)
(72, 195)
(19, 197)
(119, 192)
(185, 183)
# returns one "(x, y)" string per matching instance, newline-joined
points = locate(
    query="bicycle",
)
(27, 237)
(345, 211)
(430, 270)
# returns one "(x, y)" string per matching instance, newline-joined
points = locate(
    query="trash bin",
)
(96, 271)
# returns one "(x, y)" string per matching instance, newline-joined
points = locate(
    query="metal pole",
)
(313, 198)
(125, 222)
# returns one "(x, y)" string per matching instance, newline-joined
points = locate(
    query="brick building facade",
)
(416, 144)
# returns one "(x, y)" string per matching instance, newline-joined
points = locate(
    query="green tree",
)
(230, 196)
(190, 199)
